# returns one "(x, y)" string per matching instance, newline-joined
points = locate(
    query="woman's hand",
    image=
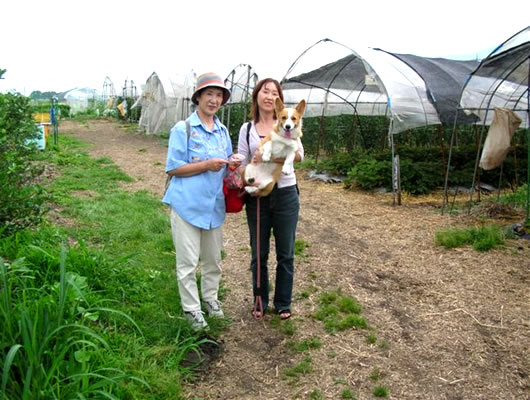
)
(216, 164)
(256, 158)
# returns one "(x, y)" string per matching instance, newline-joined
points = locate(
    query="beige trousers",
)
(192, 243)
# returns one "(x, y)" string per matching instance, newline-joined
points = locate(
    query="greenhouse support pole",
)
(396, 181)
(446, 183)
(527, 223)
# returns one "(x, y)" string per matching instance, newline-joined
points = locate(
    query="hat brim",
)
(226, 93)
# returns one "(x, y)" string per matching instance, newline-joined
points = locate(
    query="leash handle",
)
(258, 303)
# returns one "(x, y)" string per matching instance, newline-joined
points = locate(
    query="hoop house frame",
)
(502, 79)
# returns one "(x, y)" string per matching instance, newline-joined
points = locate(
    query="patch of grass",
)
(306, 293)
(483, 238)
(375, 375)
(371, 338)
(305, 344)
(339, 381)
(347, 394)
(316, 395)
(339, 312)
(381, 391)
(104, 160)
(518, 199)
(299, 248)
(286, 327)
(304, 367)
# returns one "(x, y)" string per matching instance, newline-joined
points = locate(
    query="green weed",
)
(305, 344)
(375, 374)
(286, 327)
(339, 312)
(306, 293)
(371, 338)
(348, 394)
(316, 395)
(299, 248)
(482, 239)
(304, 367)
(381, 391)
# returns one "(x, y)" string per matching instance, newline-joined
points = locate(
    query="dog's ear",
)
(278, 105)
(300, 107)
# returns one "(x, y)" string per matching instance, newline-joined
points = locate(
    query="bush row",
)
(423, 169)
(21, 199)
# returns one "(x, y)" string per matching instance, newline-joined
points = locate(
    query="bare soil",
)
(450, 324)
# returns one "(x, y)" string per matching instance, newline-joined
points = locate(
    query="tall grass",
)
(50, 349)
(89, 300)
(483, 238)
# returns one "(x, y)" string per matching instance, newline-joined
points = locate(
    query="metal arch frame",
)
(497, 83)
(381, 86)
(246, 88)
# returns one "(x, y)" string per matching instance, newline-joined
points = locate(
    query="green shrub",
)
(420, 177)
(21, 199)
(370, 174)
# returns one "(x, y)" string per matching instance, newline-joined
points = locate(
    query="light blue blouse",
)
(198, 199)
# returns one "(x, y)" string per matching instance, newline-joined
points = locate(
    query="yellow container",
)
(41, 117)
(47, 127)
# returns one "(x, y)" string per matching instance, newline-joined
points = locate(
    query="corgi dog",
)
(281, 142)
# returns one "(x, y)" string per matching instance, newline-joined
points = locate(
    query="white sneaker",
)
(197, 320)
(213, 308)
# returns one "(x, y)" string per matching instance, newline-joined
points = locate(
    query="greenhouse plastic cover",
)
(165, 101)
(366, 82)
(411, 91)
(78, 98)
(241, 81)
(501, 80)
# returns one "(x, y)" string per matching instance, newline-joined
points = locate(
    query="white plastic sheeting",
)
(501, 80)
(165, 101)
(365, 81)
(79, 99)
(241, 81)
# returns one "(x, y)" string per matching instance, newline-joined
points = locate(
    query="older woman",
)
(196, 162)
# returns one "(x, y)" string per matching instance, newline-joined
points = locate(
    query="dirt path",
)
(449, 324)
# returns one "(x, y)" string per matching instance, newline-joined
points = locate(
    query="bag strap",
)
(249, 125)
(188, 134)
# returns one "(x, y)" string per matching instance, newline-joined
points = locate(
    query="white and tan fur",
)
(280, 143)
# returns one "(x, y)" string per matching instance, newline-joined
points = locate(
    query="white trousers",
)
(192, 243)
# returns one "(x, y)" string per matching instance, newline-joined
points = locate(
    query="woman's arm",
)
(190, 169)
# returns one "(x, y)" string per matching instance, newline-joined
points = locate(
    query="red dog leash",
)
(257, 311)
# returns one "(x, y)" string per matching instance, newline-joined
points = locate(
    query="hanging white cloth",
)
(505, 123)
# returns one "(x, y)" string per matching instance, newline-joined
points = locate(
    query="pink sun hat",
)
(210, 79)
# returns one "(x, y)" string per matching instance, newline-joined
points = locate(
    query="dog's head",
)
(289, 120)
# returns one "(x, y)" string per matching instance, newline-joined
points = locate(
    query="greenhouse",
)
(80, 99)
(497, 93)
(410, 91)
(164, 101)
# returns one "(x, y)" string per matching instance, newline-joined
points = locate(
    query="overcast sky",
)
(58, 45)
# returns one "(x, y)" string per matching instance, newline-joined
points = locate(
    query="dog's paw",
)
(266, 157)
(287, 169)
